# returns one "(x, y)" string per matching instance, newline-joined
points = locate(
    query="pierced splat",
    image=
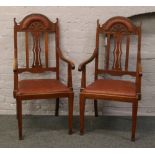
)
(117, 52)
(36, 49)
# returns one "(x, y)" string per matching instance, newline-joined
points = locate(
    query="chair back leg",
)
(95, 108)
(82, 110)
(19, 115)
(70, 113)
(57, 107)
(134, 119)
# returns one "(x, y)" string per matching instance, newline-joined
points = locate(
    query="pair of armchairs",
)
(119, 90)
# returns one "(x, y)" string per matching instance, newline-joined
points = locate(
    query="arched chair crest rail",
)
(39, 27)
(114, 31)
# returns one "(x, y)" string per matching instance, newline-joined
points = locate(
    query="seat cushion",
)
(112, 87)
(41, 86)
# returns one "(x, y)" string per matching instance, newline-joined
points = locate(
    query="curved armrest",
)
(82, 65)
(65, 59)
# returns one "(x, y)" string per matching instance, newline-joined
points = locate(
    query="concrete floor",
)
(51, 131)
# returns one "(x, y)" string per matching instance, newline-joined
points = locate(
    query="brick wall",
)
(77, 30)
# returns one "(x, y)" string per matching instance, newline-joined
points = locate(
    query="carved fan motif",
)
(36, 26)
(119, 28)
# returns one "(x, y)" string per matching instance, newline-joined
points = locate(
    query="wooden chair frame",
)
(35, 24)
(120, 25)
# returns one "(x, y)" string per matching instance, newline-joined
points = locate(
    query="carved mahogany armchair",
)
(39, 26)
(114, 31)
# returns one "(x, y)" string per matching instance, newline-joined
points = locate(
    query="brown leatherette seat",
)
(41, 86)
(112, 87)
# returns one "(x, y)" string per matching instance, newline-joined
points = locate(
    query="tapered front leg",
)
(134, 119)
(70, 113)
(19, 115)
(95, 108)
(57, 107)
(82, 109)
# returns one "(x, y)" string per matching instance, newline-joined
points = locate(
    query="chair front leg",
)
(19, 115)
(70, 113)
(134, 119)
(82, 109)
(57, 107)
(95, 108)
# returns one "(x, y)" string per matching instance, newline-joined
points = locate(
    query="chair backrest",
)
(117, 31)
(37, 27)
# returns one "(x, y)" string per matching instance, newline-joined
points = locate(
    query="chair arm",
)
(65, 59)
(82, 65)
